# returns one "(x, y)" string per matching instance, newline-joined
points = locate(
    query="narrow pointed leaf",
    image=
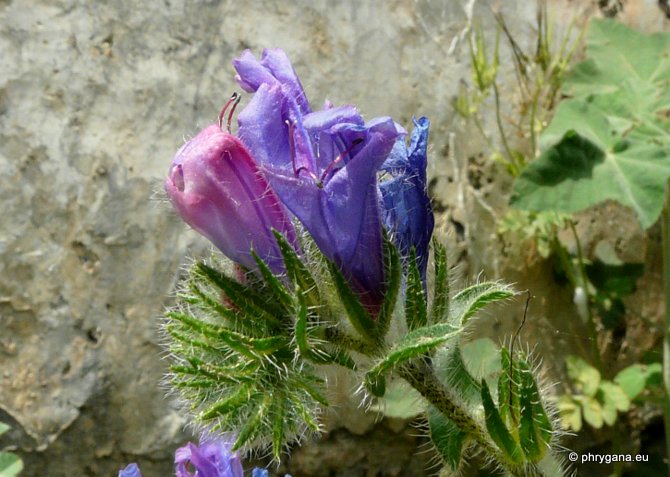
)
(447, 438)
(237, 341)
(359, 318)
(497, 429)
(307, 351)
(229, 404)
(252, 427)
(248, 301)
(441, 289)
(413, 345)
(535, 430)
(277, 289)
(393, 268)
(470, 300)
(297, 271)
(277, 426)
(454, 374)
(508, 391)
(416, 313)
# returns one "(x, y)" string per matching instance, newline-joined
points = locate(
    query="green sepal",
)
(252, 427)
(475, 297)
(393, 276)
(413, 345)
(251, 304)
(307, 351)
(535, 429)
(278, 410)
(440, 305)
(249, 347)
(508, 391)
(358, 316)
(298, 272)
(456, 377)
(416, 312)
(214, 307)
(276, 287)
(447, 438)
(230, 404)
(497, 429)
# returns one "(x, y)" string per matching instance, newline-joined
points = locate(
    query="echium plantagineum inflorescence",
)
(327, 220)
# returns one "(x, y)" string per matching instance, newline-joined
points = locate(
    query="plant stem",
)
(585, 286)
(422, 378)
(503, 137)
(665, 223)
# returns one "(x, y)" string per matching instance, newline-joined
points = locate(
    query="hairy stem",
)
(422, 378)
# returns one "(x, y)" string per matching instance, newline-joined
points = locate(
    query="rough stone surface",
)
(95, 97)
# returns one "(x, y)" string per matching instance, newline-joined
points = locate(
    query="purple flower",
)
(406, 207)
(323, 165)
(212, 458)
(131, 470)
(217, 188)
(262, 473)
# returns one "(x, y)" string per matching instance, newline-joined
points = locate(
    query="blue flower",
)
(213, 458)
(131, 470)
(407, 212)
(262, 473)
(323, 166)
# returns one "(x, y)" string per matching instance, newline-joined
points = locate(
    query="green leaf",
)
(297, 271)
(453, 372)
(497, 429)
(570, 413)
(278, 430)
(440, 305)
(416, 312)
(249, 347)
(393, 269)
(253, 305)
(4, 428)
(278, 290)
(230, 404)
(307, 351)
(508, 390)
(447, 438)
(585, 375)
(614, 395)
(358, 316)
(634, 379)
(10, 464)
(473, 298)
(412, 345)
(535, 429)
(621, 147)
(252, 427)
(593, 411)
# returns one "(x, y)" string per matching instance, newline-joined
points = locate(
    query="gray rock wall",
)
(95, 98)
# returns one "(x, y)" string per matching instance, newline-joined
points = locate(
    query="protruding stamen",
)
(297, 169)
(336, 162)
(234, 99)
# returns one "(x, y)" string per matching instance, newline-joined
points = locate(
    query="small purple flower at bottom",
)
(262, 473)
(212, 458)
(131, 470)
